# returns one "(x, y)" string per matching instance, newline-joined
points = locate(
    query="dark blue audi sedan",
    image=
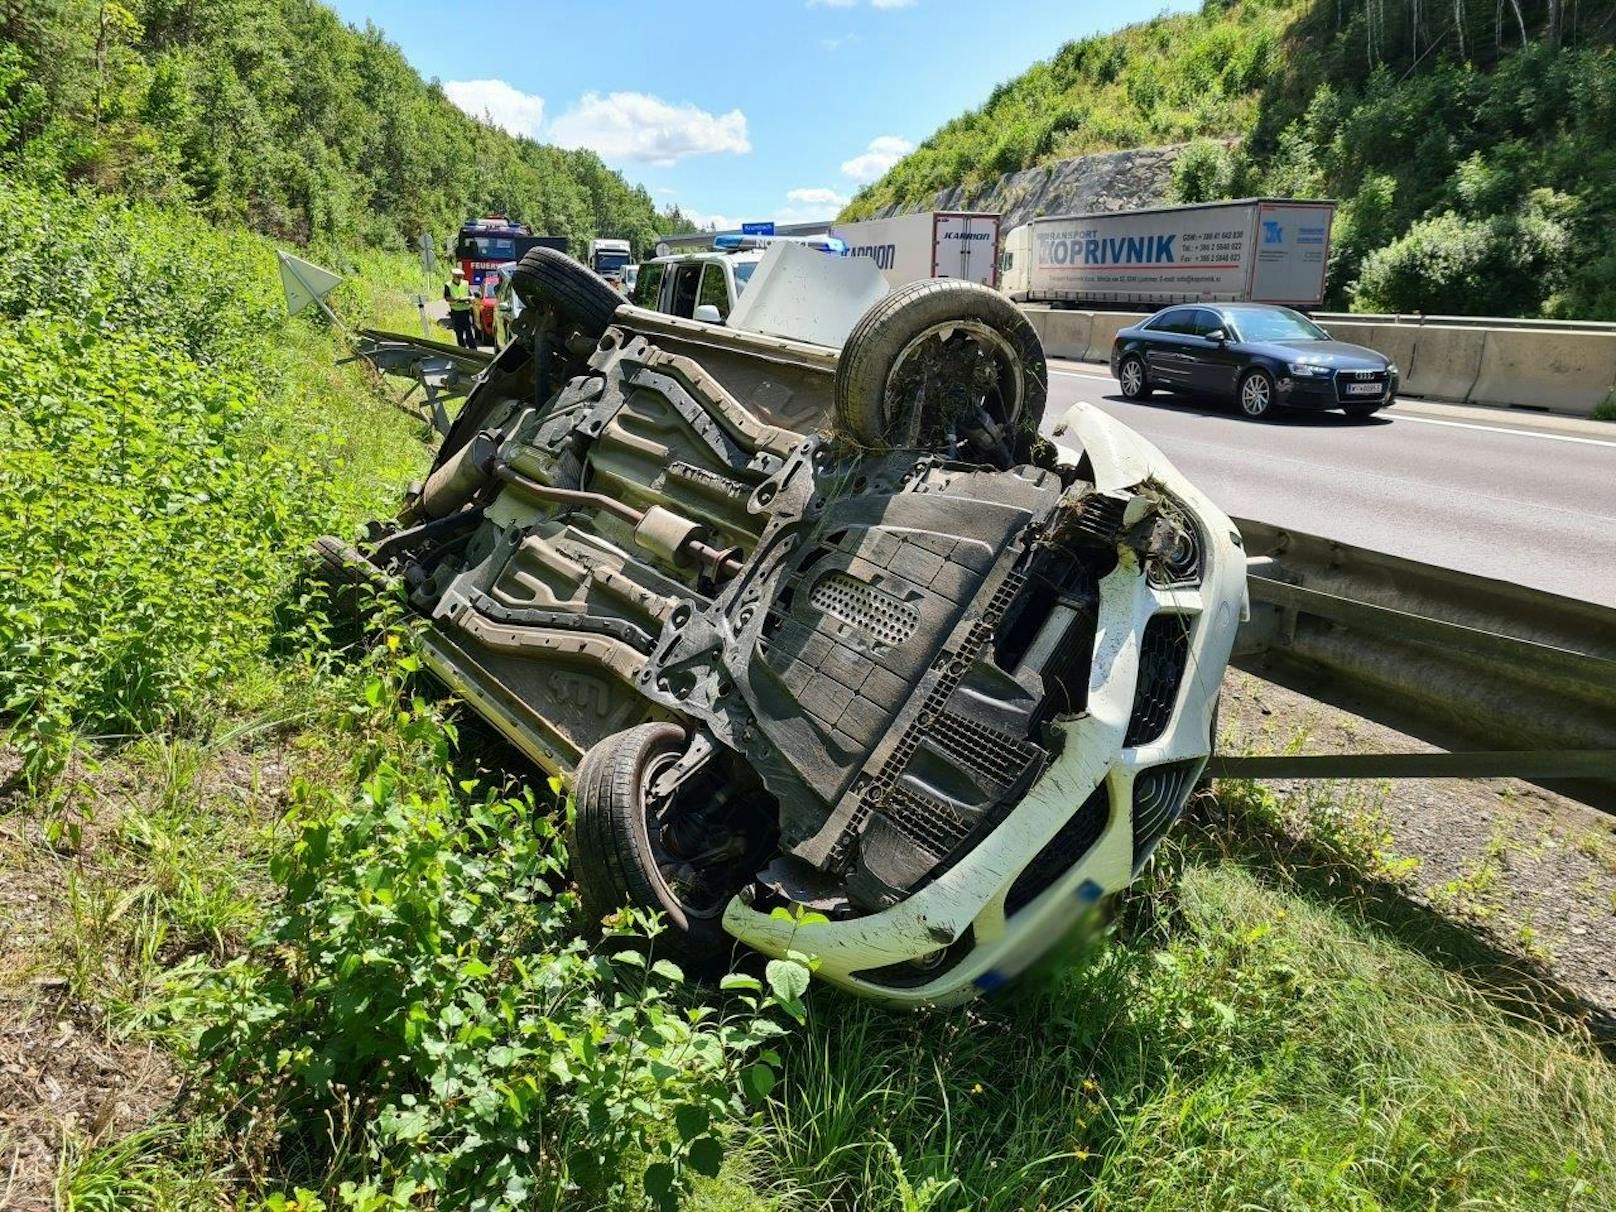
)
(1262, 357)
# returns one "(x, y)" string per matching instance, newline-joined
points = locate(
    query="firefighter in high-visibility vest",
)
(458, 295)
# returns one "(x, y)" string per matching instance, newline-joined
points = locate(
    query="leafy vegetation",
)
(375, 972)
(421, 999)
(278, 117)
(173, 442)
(1470, 145)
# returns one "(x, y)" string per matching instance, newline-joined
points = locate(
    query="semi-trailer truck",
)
(927, 244)
(1256, 250)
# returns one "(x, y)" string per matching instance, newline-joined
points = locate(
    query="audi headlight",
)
(1308, 370)
(1391, 369)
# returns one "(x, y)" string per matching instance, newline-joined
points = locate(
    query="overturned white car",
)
(826, 629)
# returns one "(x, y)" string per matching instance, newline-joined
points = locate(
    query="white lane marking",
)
(1403, 416)
(1524, 433)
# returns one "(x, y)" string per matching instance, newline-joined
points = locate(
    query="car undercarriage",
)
(823, 630)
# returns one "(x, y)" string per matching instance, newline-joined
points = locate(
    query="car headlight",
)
(1307, 370)
(1391, 369)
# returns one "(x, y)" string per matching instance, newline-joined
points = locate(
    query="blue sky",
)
(773, 109)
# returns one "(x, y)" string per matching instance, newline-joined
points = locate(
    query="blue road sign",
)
(758, 229)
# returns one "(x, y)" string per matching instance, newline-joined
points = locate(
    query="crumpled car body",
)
(934, 701)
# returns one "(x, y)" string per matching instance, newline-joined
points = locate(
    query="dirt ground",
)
(1533, 872)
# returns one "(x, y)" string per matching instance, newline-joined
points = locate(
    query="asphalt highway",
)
(1501, 494)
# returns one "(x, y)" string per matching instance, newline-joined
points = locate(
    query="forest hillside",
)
(1472, 144)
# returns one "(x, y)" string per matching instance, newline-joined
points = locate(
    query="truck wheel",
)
(627, 848)
(1256, 394)
(576, 295)
(943, 365)
(1132, 378)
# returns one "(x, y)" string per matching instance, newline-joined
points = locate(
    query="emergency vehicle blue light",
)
(731, 241)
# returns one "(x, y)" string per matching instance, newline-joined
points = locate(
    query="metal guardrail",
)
(1516, 681)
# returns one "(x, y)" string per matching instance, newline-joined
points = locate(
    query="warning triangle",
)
(303, 282)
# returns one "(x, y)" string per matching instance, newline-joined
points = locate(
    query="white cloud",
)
(816, 197)
(646, 129)
(811, 205)
(705, 221)
(498, 104)
(883, 152)
(807, 205)
(814, 205)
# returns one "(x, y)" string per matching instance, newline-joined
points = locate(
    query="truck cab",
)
(706, 285)
(697, 286)
(1015, 262)
(608, 257)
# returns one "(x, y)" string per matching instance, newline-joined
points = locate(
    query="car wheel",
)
(626, 850)
(576, 295)
(943, 365)
(1256, 394)
(1131, 376)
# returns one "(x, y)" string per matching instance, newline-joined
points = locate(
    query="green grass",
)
(1253, 1046)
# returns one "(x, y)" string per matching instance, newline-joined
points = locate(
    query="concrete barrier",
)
(1565, 371)
(1359, 332)
(1396, 341)
(1104, 331)
(1038, 317)
(1446, 361)
(1066, 333)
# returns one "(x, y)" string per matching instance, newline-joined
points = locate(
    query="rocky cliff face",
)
(1105, 181)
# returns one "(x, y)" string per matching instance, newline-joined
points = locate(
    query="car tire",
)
(613, 861)
(340, 583)
(1255, 394)
(577, 295)
(879, 359)
(1132, 378)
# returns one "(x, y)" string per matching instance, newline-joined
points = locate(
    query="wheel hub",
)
(954, 382)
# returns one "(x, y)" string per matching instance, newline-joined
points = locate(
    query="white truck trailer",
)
(1256, 250)
(927, 244)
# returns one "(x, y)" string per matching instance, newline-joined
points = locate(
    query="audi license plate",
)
(1365, 389)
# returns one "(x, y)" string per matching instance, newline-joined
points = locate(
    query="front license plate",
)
(1365, 389)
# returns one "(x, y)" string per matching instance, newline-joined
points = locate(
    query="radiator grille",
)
(929, 823)
(996, 755)
(1163, 653)
(1073, 840)
(1158, 798)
